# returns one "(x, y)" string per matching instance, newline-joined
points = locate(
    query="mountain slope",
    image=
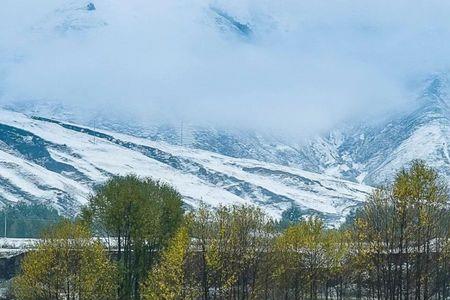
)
(59, 163)
(373, 153)
(364, 152)
(370, 153)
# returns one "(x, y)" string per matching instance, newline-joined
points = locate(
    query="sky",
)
(305, 67)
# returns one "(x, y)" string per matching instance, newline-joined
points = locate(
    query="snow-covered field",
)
(10, 247)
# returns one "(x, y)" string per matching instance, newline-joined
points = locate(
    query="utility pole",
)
(181, 133)
(95, 130)
(4, 212)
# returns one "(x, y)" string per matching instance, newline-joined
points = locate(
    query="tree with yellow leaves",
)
(67, 264)
(403, 232)
(232, 245)
(141, 215)
(169, 280)
(308, 259)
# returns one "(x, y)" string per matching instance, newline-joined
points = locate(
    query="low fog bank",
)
(293, 67)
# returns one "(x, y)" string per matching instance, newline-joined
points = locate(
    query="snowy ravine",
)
(43, 160)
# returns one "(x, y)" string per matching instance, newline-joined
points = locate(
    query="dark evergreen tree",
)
(290, 217)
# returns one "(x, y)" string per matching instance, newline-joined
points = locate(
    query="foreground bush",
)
(169, 279)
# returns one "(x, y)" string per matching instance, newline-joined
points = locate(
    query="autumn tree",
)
(140, 216)
(232, 244)
(403, 232)
(308, 260)
(171, 278)
(66, 264)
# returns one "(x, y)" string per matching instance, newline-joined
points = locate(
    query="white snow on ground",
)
(10, 247)
(427, 143)
(28, 176)
(17, 243)
(98, 158)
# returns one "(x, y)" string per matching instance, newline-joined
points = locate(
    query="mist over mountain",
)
(369, 152)
(258, 65)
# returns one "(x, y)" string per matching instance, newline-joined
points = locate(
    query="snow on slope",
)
(367, 152)
(372, 154)
(59, 163)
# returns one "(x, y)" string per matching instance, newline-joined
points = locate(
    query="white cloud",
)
(307, 65)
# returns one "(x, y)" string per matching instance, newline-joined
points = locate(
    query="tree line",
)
(24, 220)
(147, 247)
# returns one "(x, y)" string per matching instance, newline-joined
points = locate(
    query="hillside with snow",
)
(372, 154)
(365, 152)
(60, 163)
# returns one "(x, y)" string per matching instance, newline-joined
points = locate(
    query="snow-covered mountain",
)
(372, 154)
(369, 152)
(59, 163)
(366, 152)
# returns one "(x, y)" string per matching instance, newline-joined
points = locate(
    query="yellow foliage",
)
(168, 279)
(67, 264)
